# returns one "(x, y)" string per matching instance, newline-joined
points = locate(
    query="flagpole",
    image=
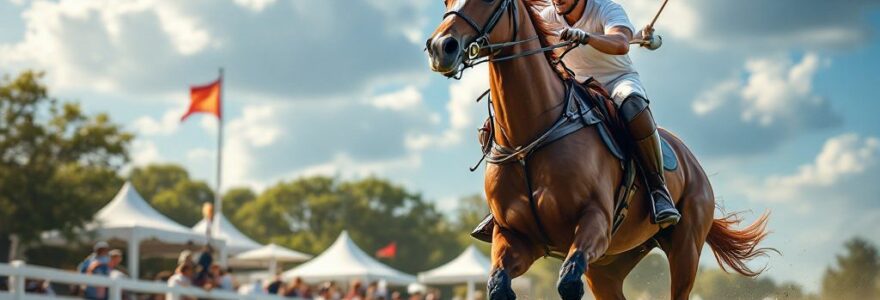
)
(218, 203)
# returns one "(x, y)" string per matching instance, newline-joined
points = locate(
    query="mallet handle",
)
(658, 13)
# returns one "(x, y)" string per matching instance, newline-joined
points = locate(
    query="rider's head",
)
(565, 7)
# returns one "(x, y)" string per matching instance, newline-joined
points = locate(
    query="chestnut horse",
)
(574, 179)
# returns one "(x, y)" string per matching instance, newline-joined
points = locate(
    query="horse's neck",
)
(527, 93)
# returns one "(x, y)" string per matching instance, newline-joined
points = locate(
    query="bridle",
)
(472, 54)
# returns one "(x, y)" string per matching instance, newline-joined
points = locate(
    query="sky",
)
(777, 98)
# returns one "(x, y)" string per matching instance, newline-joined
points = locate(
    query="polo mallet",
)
(652, 43)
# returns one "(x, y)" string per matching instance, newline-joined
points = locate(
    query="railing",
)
(18, 272)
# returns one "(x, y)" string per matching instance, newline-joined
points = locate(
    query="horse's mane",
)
(544, 29)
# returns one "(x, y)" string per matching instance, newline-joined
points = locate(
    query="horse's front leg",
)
(512, 255)
(591, 239)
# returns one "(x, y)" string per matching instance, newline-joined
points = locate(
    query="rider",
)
(604, 30)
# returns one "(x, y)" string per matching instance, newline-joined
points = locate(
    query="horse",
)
(561, 198)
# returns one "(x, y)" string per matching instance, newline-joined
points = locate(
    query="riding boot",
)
(484, 230)
(646, 145)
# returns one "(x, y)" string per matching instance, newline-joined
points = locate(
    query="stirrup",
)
(484, 230)
(664, 213)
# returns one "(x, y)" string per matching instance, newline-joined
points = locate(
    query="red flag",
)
(389, 251)
(205, 99)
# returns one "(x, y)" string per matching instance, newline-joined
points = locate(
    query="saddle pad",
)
(670, 160)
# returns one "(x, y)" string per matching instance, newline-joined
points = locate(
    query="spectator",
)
(97, 263)
(115, 264)
(274, 286)
(185, 257)
(226, 279)
(182, 278)
(372, 292)
(434, 294)
(294, 288)
(305, 292)
(329, 291)
(203, 271)
(355, 291)
(38, 286)
(395, 295)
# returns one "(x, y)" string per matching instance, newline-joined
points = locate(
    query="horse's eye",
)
(488, 1)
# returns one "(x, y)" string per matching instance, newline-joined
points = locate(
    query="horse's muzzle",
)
(445, 53)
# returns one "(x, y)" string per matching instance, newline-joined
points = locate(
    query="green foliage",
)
(57, 164)
(172, 192)
(235, 198)
(856, 273)
(309, 213)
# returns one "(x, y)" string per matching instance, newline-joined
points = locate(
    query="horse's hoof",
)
(499, 286)
(570, 286)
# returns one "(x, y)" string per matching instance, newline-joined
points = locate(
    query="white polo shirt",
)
(615, 72)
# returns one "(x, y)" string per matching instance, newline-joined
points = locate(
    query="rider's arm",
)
(615, 41)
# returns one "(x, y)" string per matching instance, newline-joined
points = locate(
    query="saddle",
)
(587, 104)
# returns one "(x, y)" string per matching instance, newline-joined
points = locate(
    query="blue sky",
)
(777, 98)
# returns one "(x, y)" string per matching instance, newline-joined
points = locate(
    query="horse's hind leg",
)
(606, 280)
(684, 241)
(512, 255)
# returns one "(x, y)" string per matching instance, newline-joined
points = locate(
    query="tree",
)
(235, 198)
(57, 164)
(470, 211)
(308, 214)
(172, 192)
(856, 273)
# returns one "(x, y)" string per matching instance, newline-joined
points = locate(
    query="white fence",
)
(18, 272)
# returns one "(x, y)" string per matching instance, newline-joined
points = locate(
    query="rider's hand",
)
(650, 41)
(575, 35)
(647, 32)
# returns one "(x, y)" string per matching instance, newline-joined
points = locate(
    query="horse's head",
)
(466, 25)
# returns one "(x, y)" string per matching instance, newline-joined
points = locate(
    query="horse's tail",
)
(734, 248)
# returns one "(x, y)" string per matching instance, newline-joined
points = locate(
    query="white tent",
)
(469, 267)
(344, 261)
(273, 254)
(131, 219)
(236, 242)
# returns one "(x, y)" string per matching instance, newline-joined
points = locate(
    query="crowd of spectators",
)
(198, 270)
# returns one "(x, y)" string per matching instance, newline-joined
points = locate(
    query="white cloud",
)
(156, 46)
(256, 128)
(406, 98)
(772, 101)
(773, 89)
(144, 152)
(169, 123)
(344, 165)
(463, 112)
(255, 5)
(841, 158)
(200, 154)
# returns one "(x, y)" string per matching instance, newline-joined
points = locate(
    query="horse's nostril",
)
(428, 45)
(450, 46)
